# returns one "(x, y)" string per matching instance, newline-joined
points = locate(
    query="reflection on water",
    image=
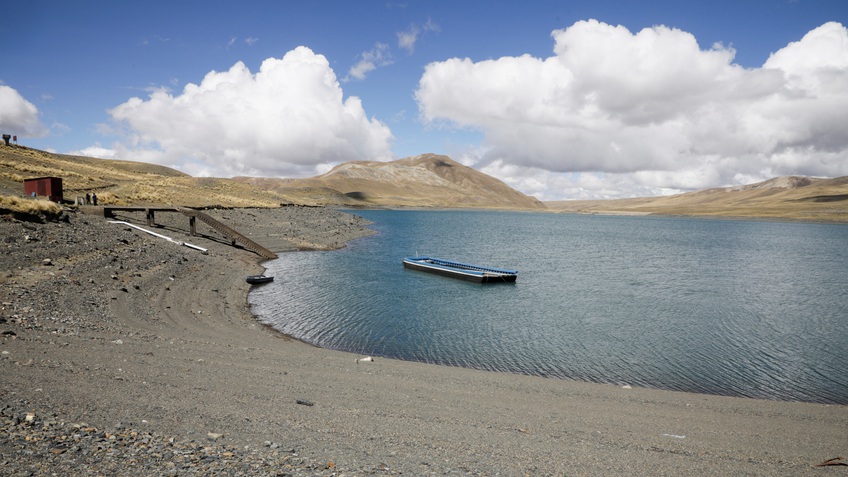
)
(737, 308)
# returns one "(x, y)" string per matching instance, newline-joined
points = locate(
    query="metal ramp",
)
(231, 234)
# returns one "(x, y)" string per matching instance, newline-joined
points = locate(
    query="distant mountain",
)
(793, 197)
(422, 181)
(428, 180)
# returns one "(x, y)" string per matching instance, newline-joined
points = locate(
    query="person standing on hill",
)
(87, 198)
(93, 199)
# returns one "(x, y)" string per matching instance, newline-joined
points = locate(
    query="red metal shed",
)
(50, 187)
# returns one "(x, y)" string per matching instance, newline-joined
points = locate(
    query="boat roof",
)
(459, 267)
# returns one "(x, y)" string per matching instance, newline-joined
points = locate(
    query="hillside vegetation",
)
(125, 182)
(422, 181)
(791, 197)
(428, 180)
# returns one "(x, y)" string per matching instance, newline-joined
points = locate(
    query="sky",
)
(561, 99)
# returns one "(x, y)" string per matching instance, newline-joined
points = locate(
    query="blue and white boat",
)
(464, 271)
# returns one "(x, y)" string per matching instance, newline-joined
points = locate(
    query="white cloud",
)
(58, 128)
(369, 60)
(249, 41)
(18, 116)
(97, 151)
(381, 55)
(289, 119)
(154, 38)
(407, 39)
(649, 111)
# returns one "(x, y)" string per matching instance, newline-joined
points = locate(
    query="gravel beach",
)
(125, 354)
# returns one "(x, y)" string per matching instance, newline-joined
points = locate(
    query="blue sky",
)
(561, 100)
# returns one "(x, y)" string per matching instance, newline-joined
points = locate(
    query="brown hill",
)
(125, 182)
(428, 180)
(792, 197)
(421, 181)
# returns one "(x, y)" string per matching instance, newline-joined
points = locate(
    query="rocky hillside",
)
(421, 181)
(793, 197)
(428, 180)
(125, 182)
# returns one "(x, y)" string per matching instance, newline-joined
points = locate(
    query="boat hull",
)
(258, 279)
(461, 271)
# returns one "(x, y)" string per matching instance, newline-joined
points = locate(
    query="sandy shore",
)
(106, 326)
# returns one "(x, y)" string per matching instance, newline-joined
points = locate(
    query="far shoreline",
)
(127, 334)
(518, 373)
(611, 213)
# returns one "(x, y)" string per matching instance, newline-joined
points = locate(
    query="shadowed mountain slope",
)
(428, 180)
(421, 181)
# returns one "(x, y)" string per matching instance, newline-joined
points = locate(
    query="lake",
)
(729, 307)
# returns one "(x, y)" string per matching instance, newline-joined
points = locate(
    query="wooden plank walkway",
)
(150, 212)
(234, 236)
(226, 231)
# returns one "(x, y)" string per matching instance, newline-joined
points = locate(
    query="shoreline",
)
(122, 328)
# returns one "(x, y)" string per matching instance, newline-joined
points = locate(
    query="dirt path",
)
(124, 330)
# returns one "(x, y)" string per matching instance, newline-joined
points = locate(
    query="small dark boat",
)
(258, 279)
(463, 271)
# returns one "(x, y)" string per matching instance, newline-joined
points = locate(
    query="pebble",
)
(34, 445)
(101, 264)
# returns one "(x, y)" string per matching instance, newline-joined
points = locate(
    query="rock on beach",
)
(131, 355)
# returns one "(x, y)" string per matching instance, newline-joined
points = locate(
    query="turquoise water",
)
(741, 308)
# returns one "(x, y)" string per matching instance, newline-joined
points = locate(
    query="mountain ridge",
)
(787, 197)
(425, 181)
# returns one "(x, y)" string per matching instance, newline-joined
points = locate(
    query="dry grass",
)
(427, 180)
(422, 181)
(126, 183)
(823, 200)
(29, 206)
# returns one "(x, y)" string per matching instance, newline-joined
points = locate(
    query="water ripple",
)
(721, 307)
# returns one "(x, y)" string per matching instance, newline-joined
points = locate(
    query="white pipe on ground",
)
(203, 250)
